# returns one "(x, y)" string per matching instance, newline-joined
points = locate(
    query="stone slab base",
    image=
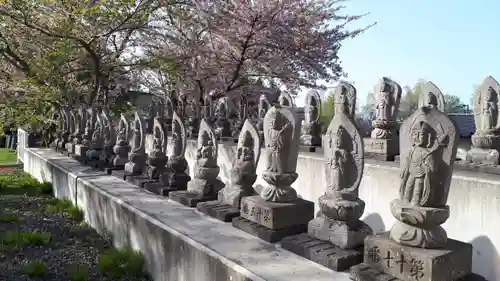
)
(483, 156)
(138, 180)
(66, 153)
(381, 149)
(322, 252)
(121, 174)
(108, 170)
(363, 272)
(218, 210)
(277, 215)
(190, 199)
(267, 234)
(159, 189)
(410, 263)
(96, 164)
(476, 167)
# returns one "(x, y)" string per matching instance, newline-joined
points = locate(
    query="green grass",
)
(65, 206)
(9, 217)
(34, 269)
(21, 182)
(7, 157)
(123, 262)
(15, 240)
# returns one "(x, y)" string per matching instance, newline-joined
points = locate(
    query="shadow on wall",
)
(168, 256)
(374, 220)
(487, 258)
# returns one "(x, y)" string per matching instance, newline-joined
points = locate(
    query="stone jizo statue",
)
(431, 97)
(311, 130)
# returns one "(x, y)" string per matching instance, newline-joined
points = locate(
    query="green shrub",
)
(34, 269)
(123, 262)
(13, 239)
(20, 180)
(65, 206)
(45, 188)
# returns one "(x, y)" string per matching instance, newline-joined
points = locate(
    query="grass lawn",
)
(7, 157)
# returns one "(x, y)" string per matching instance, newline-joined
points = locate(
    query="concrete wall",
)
(178, 242)
(474, 200)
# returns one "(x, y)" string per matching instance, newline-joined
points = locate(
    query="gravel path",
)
(72, 244)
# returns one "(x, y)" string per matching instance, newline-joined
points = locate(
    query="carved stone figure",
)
(345, 98)
(277, 211)
(243, 173)
(205, 185)
(96, 143)
(243, 176)
(384, 143)
(388, 98)
(66, 128)
(136, 159)
(109, 138)
(281, 137)
(311, 130)
(264, 106)
(175, 177)
(428, 141)
(428, 150)
(56, 117)
(193, 117)
(121, 147)
(285, 99)
(89, 126)
(81, 118)
(74, 122)
(157, 158)
(207, 113)
(222, 126)
(431, 97)
(340, 206)
(486, 139)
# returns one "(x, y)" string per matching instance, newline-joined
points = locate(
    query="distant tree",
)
(410, 101)
(327, 112)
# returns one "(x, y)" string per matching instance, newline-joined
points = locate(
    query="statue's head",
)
(432, 100)
(421, 134)
(490, 94)
(339, 137)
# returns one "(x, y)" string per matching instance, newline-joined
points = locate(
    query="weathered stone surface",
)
(363, 272)
(342, 234)
(429, 141)
(81, 150)
(412, 263)
(311, 129)
(431, 97)
(137, 157)
(190, 199)
(381, 149)
(121, 147)
(159, 189)
(218, 210)
(483, 156)
(322, 252)
(276, 215)
(121, 174)
(266, 234)
(139, 180)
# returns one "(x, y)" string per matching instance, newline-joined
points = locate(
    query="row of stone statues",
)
(416, 247)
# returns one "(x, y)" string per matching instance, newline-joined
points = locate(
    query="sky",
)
(453, 43)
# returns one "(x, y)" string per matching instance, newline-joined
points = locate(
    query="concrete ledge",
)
(45, 164)
(179, 243)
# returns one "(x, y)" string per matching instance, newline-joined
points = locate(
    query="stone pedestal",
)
(139, 180)
(159, 188)
(217, 209)
(70, 147)
(80, 152)
(322, 252)
(121, 174)
(381, 149)
(109, 170)
(190, 199)
(96, 164)
(272, 221)
(385, 259)
(483, 156)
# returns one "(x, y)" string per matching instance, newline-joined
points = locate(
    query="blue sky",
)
(454, 43)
